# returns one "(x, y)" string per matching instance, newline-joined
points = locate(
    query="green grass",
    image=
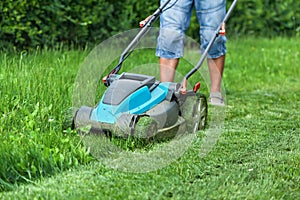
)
(35, 90)
(256, 157)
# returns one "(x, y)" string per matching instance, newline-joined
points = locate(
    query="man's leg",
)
(216, 67)
(173, 24)
(167, 69)
(210, 14)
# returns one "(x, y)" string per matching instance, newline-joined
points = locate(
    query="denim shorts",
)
(175, 20)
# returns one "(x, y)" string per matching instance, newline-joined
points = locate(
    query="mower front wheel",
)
(82, 117)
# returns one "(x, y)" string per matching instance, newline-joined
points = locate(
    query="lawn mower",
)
(138, 105)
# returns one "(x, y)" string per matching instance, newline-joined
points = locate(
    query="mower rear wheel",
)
(194, 111)
(200, 112)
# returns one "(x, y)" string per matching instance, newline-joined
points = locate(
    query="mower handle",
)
(137, 38)
(205, 53)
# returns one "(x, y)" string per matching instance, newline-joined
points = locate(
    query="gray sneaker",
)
(216, 99)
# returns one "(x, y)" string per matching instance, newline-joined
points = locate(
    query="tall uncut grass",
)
(35, 91)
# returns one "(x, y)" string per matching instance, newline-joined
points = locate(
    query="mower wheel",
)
(201, 109)
(194, 111)
(68, 118)
(82, 117)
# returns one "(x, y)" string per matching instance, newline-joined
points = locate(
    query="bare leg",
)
(167, 69)
(216, 67)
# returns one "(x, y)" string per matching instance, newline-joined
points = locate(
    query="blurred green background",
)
(27, 24)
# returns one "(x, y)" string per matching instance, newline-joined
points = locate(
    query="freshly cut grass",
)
(256, 157)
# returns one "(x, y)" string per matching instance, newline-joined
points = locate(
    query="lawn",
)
(257, 156)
